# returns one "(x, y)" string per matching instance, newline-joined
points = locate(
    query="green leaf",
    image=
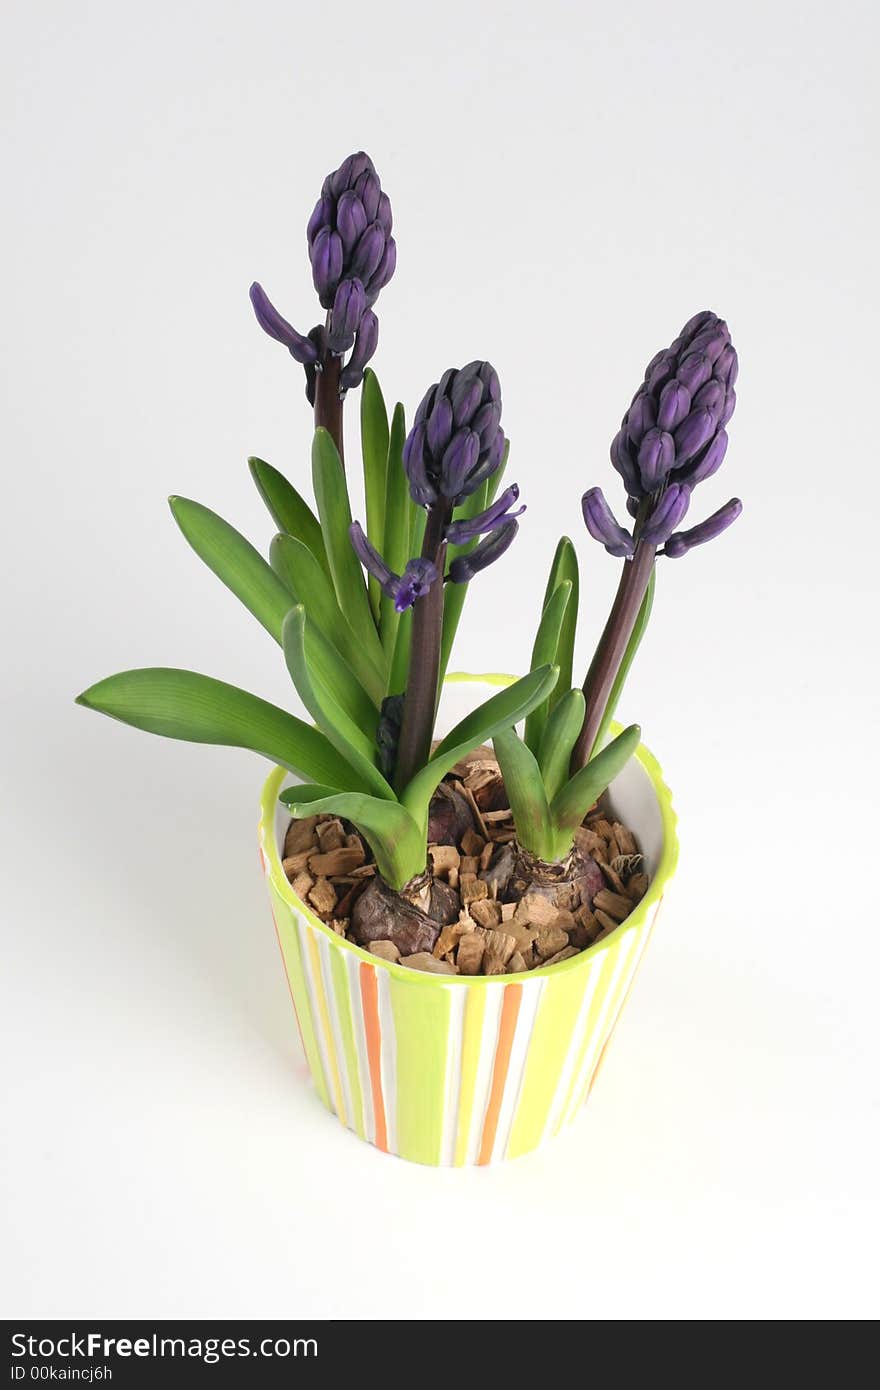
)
(374, 448)
(300, 572)
(558, 739)
(291, 513)
(499, 712)
(571, 804)
(632, 647)
(234, 560)
(199, 709)
(399, 670)
(331, 495)
(525, 792)
(320, 698)
(544, 654)
(399, 508)
(564, 567)
(394, 837)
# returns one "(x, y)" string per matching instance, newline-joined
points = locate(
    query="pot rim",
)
(583, 960)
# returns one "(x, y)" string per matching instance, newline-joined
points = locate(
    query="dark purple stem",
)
(328, 400)
(613, 642)
(420, 700)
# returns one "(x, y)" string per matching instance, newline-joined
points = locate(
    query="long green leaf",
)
(564, 567)
(571, 804)
(525, 792)
(199, 709)
(321, 701)
(393, 836)
(398, 527)
(632, 647)
(374, 449)
(544, 654)
(331, 495)
(558, 739)
(300, 572)
(290, 512)
(234, 560)
(499, 712)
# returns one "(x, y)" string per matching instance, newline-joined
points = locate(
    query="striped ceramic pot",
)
(453, 1070)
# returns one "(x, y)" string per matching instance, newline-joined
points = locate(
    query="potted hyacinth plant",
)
(460, 909)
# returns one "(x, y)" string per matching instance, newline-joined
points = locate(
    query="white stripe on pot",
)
(485, 1068)
(332, 1007)
(302, 930)
(532, 991)
(389, 1058)
(453, 1074)
(352, 965)
(642, 935)
(591, 983)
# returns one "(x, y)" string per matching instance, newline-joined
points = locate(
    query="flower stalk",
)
(420, 701)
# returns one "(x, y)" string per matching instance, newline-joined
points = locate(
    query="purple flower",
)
(603, 526)
(404, 588)
(348, 309)
(667, 514)
(683, 541)
(683, 404)
(456, 441)
(464, 567)
(301, 348)
(353, 256)
(460, 532)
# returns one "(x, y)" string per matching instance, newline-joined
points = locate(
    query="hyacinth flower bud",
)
(405, 588)
(327, 264)
(460, 532)
(348, 309)
(365, 344)
(668, 513)
(301, 348)
(604, 527)
(656, 457)
(464, 567)
(456, 441)
(681, 542)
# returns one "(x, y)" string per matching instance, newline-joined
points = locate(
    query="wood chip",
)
(339, 925)
(443, 858)
(603, 827)
(350, 897)
(613, 848)
(637, 886)
(535, 910)
(499, 948)
(323, 896)
(294, 864)
(613, 879)
(496, 817)
(591, 843)
(508, 911)
(478, 815)
(579, 937)
(516, 964)
(365, 871)
(523, 934)
(472, 888)
(565, 954)
(549, 941)
(386, 949)
(472, 843)
(486, 855)
(452, 878)
(615, 904)
(451, 935)
(470, 864)
(423, 960)
(469, 958)
(336, 861)
(625, 839)
(303, 884)
(485, 912)
(607, 923)
(300, 835)
(330, 835)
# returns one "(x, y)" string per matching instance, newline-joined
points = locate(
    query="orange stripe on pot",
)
(506, 1030)
(373, 1030)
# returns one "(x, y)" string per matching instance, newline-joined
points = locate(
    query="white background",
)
(570, 182)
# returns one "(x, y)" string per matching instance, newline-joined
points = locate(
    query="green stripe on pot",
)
(288, 940)
(421, 1023)
(339, 976)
